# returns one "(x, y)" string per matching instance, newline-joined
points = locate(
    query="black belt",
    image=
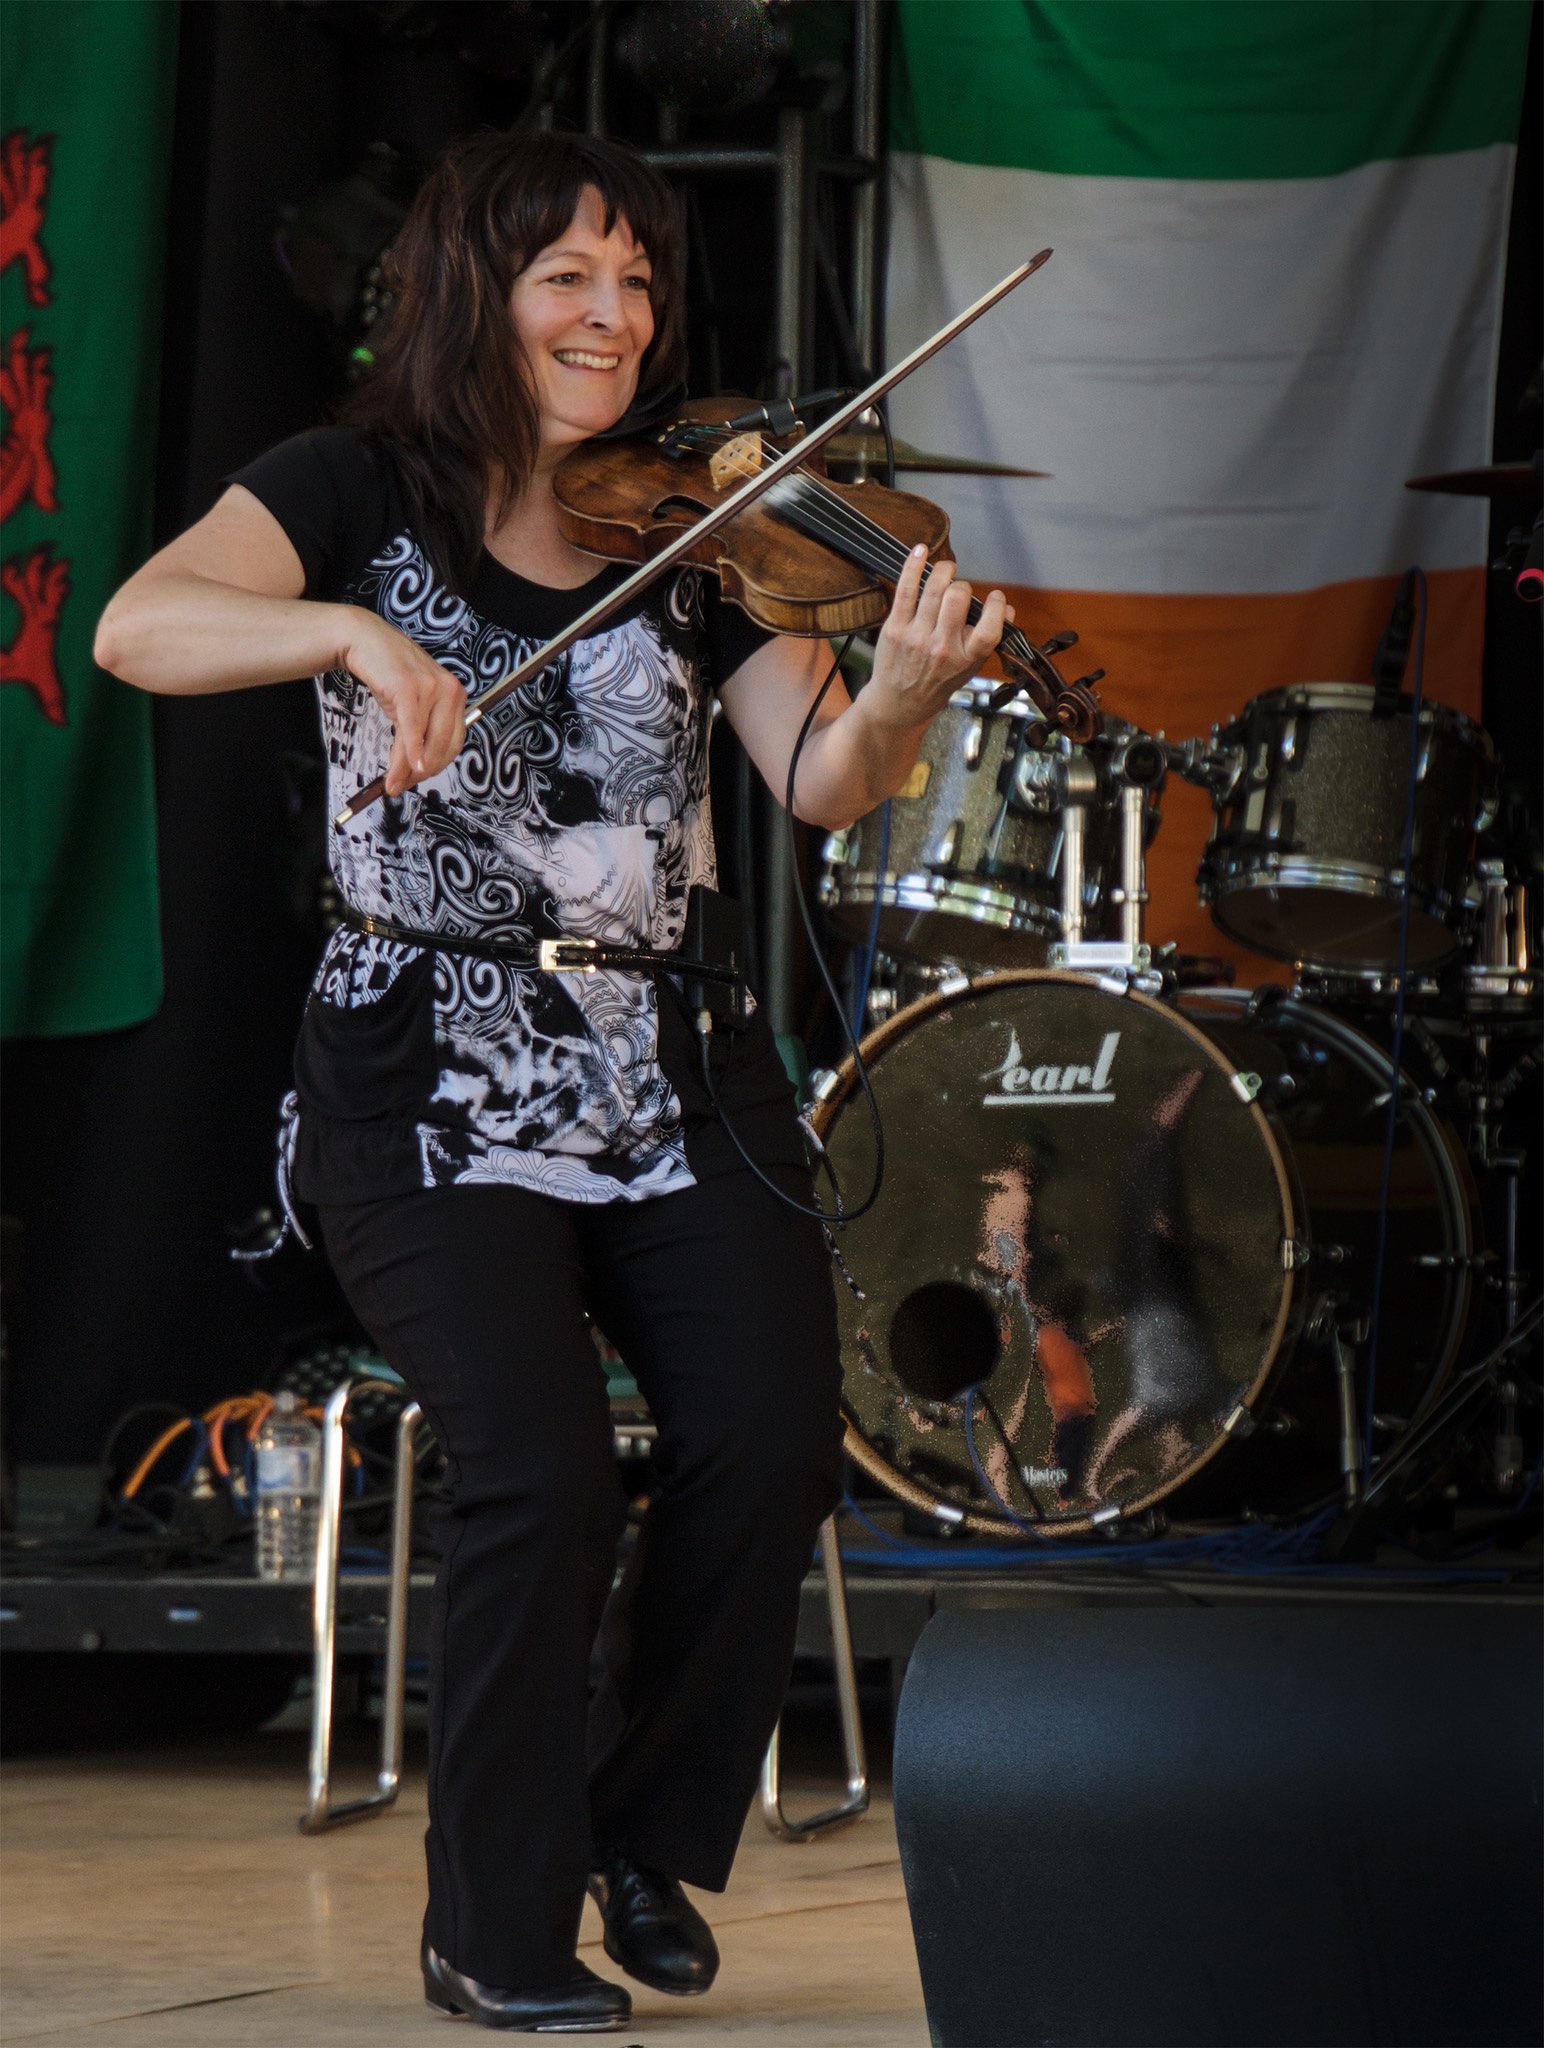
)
(547, 956)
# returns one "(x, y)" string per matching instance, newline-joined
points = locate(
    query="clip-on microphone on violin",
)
(776, 416)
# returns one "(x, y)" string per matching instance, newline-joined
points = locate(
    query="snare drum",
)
(1305, 861)
(971, 872)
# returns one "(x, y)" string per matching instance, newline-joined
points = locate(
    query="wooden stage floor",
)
(164, 1898)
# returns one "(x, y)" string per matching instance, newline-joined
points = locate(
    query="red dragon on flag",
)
(35, 582)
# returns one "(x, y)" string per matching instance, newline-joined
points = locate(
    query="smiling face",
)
(582, 312)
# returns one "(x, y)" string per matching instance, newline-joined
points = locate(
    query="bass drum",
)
(1110, 1230)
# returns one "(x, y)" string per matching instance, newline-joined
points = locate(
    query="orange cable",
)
(143, 1469)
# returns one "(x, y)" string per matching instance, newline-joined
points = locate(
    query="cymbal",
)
(866, 445)
(1496, 480)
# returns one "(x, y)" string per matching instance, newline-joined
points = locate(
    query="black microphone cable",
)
(704, 1022)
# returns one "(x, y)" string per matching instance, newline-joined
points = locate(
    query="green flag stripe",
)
(89, 85)
(1216, 89)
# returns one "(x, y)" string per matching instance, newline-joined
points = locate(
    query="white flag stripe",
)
(1229, 380)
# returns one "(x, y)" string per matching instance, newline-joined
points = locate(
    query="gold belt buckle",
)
(548, 951)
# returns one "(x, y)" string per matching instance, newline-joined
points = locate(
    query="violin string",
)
(884, 553)
(845, 527)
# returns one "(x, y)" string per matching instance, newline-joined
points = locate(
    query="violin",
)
(658, 527)
(809, 556)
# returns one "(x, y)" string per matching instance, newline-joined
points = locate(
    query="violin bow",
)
(748, 492)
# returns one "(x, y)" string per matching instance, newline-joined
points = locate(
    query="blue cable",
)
(197, 1455)
(1247, 1553)
(1528, 1491)
(1396, 1052)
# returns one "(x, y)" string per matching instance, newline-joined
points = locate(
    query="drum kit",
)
(1151, 1246)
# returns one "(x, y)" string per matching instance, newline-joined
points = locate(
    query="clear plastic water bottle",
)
(288, 1491)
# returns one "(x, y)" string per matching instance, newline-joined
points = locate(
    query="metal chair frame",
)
(321, 1813)
(855, 1805)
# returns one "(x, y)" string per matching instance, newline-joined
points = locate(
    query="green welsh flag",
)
(84, 147)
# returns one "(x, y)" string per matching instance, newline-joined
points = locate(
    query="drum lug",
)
(952, 985)
(947, 850)
(1105, 1518)
(822, 1083)
(1245, 1085)
(1240, 1423)
(1295, 1254)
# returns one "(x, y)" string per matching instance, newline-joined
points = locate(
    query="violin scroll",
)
(1069, 709)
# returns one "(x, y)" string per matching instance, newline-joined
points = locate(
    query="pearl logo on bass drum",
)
(1051, 1087)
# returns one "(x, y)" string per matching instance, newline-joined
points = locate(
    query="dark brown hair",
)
(451, 391)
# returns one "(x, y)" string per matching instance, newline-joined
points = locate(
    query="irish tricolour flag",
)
(1279, 229)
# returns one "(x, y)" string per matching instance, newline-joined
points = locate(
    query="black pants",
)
(719, 1298)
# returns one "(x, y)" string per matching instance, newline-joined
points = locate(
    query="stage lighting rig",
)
(707, 55)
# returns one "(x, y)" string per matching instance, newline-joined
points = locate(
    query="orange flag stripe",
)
(1182, 664)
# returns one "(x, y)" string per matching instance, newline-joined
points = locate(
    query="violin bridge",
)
(738, 458)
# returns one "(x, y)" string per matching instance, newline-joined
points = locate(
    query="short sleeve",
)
(732, 636)
(331, 493)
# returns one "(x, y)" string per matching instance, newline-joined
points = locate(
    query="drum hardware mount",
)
(1507, 1472)
(1126, 962)
(1503, 966)
(1342, 1336)
(1243, 1422)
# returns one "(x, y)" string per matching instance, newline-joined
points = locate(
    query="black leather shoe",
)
(653, 1931)
(582, 2004)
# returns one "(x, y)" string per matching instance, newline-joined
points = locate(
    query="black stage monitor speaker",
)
(1254, 1827)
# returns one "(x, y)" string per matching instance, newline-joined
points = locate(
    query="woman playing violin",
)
(496, 1152)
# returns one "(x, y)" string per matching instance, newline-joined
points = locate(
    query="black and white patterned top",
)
(579, 807)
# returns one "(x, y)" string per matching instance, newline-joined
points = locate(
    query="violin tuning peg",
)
(1003, 694)
(1095, 675)
(1059, 643)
